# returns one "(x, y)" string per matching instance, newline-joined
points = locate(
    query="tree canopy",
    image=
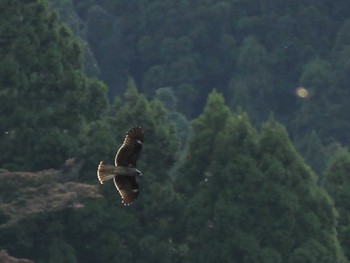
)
(256, 200)
(45, 96)
(256, 54)
(336, 181)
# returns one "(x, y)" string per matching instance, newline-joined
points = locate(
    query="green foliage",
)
(311, 213)
(45, 97)
(336, 182)
(315, 154)
(152, 218)
(235, 194)
(58, 251)
(257, 201)
(253, 52)
(316, 109)
(252, 89)
(205, 129)
(97, 142)
(167, 97)
(252, 199)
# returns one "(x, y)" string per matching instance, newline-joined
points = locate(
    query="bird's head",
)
(138, 172)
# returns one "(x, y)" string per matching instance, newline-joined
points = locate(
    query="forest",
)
(245, 110)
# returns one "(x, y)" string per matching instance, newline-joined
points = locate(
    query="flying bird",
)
(124, 172)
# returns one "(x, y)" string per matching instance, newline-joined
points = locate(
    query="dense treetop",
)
(336, 182)
(45, 97)
(253, 198)
(255, 53)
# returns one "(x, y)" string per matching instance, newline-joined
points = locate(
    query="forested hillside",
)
(256, 53)
(244, 106)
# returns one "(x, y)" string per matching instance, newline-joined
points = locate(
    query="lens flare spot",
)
(302, 92)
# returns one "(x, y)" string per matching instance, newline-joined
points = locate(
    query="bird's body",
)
(107, 171)
(124, 172)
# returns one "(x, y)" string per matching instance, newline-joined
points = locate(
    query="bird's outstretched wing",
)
(127, 187)
(129, 152)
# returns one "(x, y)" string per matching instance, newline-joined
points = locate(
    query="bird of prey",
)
(124, 172)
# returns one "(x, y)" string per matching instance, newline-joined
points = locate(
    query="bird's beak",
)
(139, 172)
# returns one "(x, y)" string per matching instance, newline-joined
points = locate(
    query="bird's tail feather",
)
(105, 172)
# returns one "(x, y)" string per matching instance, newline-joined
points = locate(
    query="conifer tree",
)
(205, 129)
(167, 97)
(148, 230)
(219, 211)
(45, 96)
(317, 109)
(252, 87)
(258, 200)
(315, 154)
(153, 216)
(300, 224)
(336, 182)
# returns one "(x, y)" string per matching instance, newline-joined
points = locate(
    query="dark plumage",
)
(129, 152)
(124, 172)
